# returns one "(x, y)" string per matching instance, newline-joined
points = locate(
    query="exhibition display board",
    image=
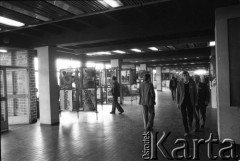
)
(128, 83)
(78, 90)
(104, 84)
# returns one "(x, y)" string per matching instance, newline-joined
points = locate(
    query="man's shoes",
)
(190, 128)
(112, 112)
(196, 130)
(121, 112)
(150, 129)
(186, 134)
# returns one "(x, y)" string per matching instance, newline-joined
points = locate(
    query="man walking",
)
(173, 86)
(186, 101)
(147, 100)
(115, 90)
(202, 98)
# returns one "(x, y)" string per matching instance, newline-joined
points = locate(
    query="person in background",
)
(187, 101)
(173, 87)
(147, 100)
(202, 98)
(115, 90)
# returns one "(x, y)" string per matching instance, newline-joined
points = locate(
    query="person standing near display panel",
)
(147, 100)
(115, 90)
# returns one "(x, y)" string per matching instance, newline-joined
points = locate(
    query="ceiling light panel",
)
(3, 51)
(153, 48)
(10, 22)
(119, 51)
(111, 3)
(99, 53)
(136, 50)
(212, 43)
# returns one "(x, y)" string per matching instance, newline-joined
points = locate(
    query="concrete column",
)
(227, 27)
(117, 63)
(159, 78)
(212, 72)
(48, 89)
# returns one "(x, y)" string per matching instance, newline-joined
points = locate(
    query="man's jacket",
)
(147, 94)
(115, 89)
(181, 92)
(202, 94)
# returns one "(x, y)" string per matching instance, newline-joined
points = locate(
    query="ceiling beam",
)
(172, 62)
(129, 45)
(188, 53)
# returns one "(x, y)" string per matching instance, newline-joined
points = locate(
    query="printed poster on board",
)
(89, 76)
(88, 101)
(66, 79)
(66, 100)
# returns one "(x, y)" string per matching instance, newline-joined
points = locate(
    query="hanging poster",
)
(66, 79)
(125, 76)
(110, 73)
(109, 96)
(99, 98)
(89, 76)
(66, 100)
(88, 99)
(133, 77)
(98, 77)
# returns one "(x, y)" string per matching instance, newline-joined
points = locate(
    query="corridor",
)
(101, 136)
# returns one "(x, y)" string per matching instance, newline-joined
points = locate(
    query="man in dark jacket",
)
(187, 101)
(202, 98)
(173, 87)
(115, 90)
(147, 100)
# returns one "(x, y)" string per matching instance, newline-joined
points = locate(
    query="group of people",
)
(192, 100)
(191, 96)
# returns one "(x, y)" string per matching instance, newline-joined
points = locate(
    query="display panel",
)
(89, 78)
(66, 79)
(66, 100)
(125, 76)
(88, 99)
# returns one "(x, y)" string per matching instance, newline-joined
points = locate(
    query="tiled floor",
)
(100, 136)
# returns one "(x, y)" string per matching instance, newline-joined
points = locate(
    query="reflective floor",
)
(101, 136)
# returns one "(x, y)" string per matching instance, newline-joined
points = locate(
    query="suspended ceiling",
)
(180, 30)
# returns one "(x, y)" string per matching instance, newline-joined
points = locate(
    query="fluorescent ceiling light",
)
(185, 58)
(99, 53)
(10, 22)
(112, 3)
(153, 48)
(3, 50)
(200, 72)
(136, 50)
(212, 43)
(119, 51)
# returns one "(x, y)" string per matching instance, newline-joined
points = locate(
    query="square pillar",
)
(159, 78)
(227, 62)
(48, 87)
